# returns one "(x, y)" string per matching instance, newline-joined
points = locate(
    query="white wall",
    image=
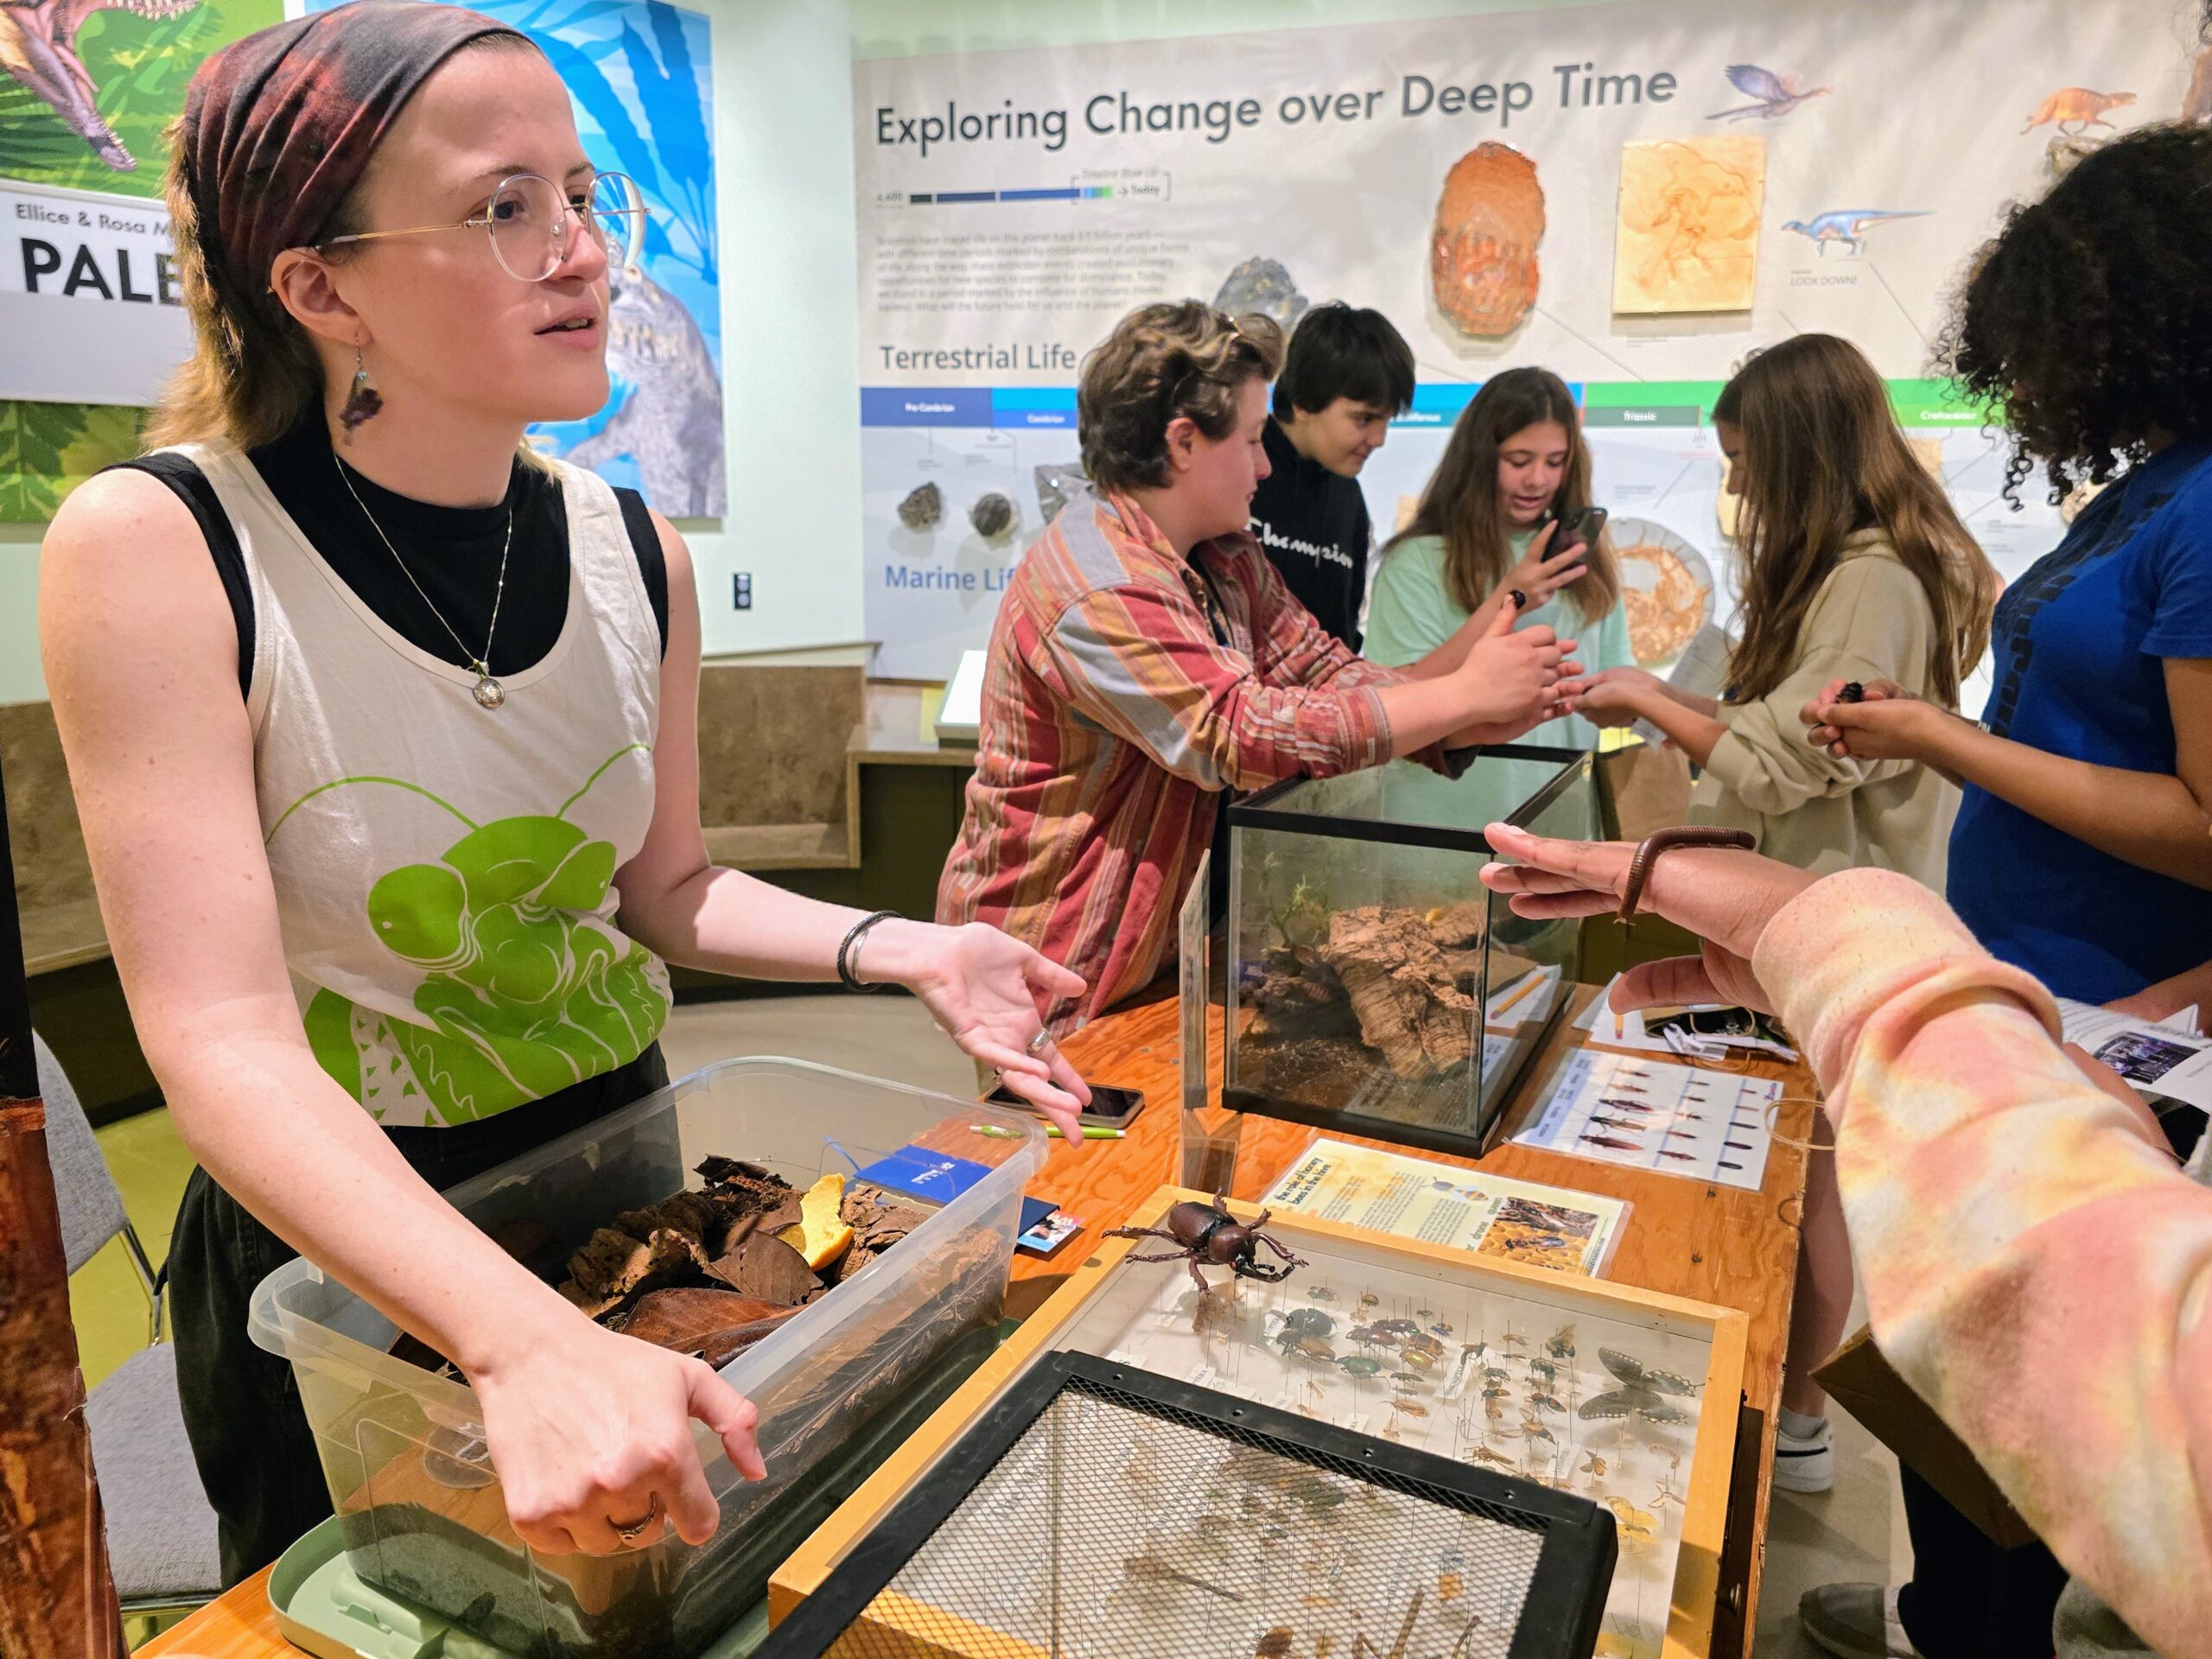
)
(890, 28)
(790, 341)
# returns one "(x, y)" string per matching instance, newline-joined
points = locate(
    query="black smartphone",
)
(1110, 1108)
(1582, 529)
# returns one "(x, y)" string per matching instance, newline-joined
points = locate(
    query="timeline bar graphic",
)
(1056, 193)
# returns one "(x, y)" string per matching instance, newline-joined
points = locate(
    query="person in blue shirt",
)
(2080, 850)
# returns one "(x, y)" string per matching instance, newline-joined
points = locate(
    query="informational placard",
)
(1635, 196)
(1673, 1120)
(1446, 1203)
(2157, 1058)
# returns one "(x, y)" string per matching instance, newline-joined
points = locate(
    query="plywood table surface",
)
(1685, 1237)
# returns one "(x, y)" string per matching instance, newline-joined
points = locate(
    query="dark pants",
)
(249, 1435)
(1969, 1599)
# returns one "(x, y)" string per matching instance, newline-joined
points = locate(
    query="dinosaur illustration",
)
(670, 424)
(38, 47)
(2077, 108)
(1848, 226)
(1776, 94)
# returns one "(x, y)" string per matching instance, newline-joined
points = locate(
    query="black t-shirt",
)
(1314, 527)
(453, 552)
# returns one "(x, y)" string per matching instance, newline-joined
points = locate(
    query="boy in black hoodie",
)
(1347, 375)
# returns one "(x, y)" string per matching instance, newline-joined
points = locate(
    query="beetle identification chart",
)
(1680, 1120)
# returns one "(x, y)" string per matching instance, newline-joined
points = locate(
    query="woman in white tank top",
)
(384, 888)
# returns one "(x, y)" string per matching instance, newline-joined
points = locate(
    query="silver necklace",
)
(487, 691)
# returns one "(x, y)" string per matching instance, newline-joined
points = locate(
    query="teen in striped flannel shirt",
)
(1147, 658)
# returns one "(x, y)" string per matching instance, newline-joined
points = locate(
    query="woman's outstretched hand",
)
(984, 989)
(1727, 898)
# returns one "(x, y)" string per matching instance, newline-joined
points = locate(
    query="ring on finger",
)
(637, 1529)
(1041, 1042)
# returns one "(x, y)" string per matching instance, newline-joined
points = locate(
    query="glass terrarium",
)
(1376, 986)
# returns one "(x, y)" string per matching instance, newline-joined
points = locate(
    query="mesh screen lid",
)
(1103, 1512)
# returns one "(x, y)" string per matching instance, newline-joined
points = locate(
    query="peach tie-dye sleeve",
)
(2036, 1265)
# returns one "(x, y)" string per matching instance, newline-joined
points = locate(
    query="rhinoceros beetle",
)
(1208, 1233)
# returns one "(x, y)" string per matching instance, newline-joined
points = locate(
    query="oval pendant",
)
(488, 692)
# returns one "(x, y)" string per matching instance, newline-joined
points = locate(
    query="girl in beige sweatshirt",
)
(1855, 568)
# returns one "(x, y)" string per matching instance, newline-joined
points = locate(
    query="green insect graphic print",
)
(522, 994)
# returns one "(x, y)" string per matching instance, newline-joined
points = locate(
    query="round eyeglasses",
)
(532, 225)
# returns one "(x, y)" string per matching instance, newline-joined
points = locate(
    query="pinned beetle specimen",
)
(1208, 1233)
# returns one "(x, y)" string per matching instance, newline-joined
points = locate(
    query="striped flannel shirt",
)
(1124, 692)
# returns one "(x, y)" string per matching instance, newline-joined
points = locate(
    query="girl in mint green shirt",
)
(1514, 467)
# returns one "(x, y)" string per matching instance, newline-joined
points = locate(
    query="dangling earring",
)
(363, 402)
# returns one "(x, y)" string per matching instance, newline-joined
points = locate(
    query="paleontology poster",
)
(641, 75)
(89, 307)
(1519, 187)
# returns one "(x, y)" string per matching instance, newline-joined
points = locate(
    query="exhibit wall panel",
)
(1634, 195)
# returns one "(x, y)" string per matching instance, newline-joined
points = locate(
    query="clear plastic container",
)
(421, 1512)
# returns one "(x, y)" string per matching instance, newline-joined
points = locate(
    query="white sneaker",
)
(1806, 1464)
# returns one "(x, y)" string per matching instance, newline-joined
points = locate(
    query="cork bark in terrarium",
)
(1371, 978)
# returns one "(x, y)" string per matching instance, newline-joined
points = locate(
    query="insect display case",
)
(1589, 1390)
(1374, 986)
(1105, 1510)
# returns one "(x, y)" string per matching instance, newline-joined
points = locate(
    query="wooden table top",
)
(1713, 1243)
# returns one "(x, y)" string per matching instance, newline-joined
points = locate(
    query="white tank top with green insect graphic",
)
(443, 873)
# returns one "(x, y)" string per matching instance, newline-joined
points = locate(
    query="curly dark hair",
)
(2087, 322)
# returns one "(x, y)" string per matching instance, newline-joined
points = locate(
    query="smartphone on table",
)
(1110, 1108)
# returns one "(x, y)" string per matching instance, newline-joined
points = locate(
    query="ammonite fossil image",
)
(1482, 254)
(1666, 586)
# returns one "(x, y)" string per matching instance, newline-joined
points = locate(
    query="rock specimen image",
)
(1666, 589)
(1056, 484)
(1482, 252)
(994, 515)
(922, 507)
(1262, 285)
